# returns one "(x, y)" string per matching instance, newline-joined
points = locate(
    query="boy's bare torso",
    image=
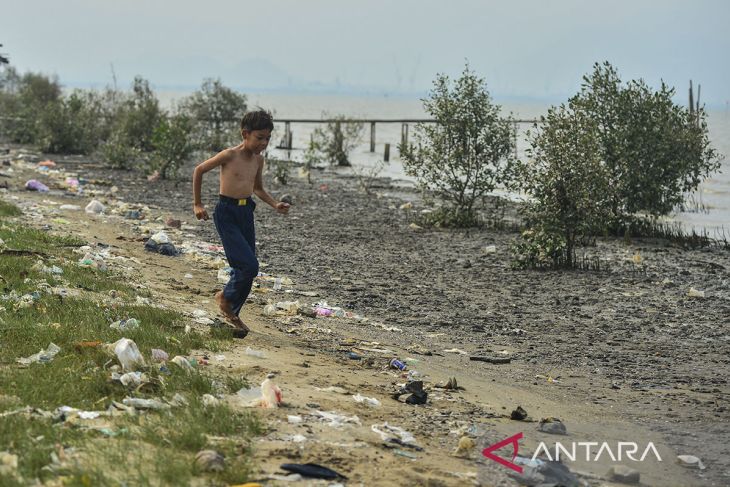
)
(238, 174)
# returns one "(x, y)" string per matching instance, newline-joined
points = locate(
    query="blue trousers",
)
(234, 221)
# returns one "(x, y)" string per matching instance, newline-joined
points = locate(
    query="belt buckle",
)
(242, 202)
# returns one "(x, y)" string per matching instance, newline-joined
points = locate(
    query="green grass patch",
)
(159, 447)
(33, 439)
(9, 209)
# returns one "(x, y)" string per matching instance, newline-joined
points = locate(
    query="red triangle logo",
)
(513, 440)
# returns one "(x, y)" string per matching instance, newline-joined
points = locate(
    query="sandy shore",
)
(619, 355)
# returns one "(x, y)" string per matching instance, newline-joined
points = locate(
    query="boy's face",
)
(256, 140)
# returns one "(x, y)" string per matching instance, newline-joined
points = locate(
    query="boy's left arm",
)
(258, 189)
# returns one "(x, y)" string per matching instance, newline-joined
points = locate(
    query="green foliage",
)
(539, 249)
(280, 169)
(655, 151)
(119, 153)
(217, 111)
(24, 98)
(74, 124)
(367, 175)
(172, 144)
(466, 154)
(138, 115)
(567, 185)
(9, 209)
(334, 142)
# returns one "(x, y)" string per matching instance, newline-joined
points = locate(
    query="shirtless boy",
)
(240, 177)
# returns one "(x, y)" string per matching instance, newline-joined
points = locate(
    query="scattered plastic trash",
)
(518, 414)
(224, 275)
(69, 207)
(490, 249)
(95, 206)
(389, 432)
(323, 312)
(188, 276)
(335, 389)
(134, 215)
(312, 470)
(490, 360)
(337, 420)
(397, 364)
(694, 293)
(161, 248)
(139, 403)
(160, 238)
(270, 394)
(417, 394)
(35, 185)
(124, 325)
(254, 353)
(456, 350)
(173, 223)
(267, 396)
(210, 461)
(159, 355)
(552, 426)
(71, 182)
(450, 384)
(282, 308)
(89, 260)
(112, 433)
(293, 419)
(128, 354)
(210, 400)
(369, 401)
(465, 446)
(544, 473)
(250, 397)
(690, 461)
(44, 356)
(354, 356)
(403, 453)
(46, 163)
(130, 379)
(54, 269)
(184, 363)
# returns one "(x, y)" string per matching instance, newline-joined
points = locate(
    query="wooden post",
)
(404, 134)
(372, 136)
(289, 144)
(699, 90)
(386, 156)
(338, 136)
(287, 131)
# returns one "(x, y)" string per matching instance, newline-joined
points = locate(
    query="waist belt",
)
(236, 201)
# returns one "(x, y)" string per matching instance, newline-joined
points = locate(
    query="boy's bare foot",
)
(240, 329)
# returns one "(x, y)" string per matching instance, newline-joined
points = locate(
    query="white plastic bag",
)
(128, 354)
(95, 207)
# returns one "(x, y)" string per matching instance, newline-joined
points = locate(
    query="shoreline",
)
(591, 348)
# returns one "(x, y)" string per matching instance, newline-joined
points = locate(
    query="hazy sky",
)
(524, 48)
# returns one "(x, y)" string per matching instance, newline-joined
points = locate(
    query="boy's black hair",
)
(257, 120)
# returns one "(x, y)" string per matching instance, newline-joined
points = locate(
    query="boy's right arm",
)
(202, 168)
